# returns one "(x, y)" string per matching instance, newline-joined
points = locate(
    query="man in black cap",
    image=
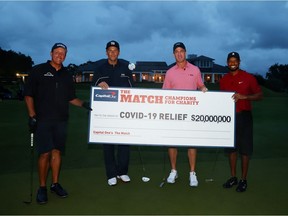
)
(48, 92)
(114, 73)
(246, 90)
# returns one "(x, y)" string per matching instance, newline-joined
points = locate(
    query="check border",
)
(137, 116)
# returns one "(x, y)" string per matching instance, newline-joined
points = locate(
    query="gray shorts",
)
(50, 135)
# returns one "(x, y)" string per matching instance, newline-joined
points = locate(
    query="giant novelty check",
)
(162, 117)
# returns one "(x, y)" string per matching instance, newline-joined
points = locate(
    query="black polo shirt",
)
(118, 75)
(51, 90)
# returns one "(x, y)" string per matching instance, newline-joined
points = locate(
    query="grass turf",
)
(83, 173)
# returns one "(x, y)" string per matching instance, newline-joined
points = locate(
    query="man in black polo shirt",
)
(115, 73)
(48, 92)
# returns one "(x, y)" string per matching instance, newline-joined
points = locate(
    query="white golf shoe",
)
(172, 176)
(112, 181)
(193, 179)
(124, 178)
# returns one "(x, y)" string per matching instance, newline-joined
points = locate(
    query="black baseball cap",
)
(179, 44)
(233, 54)
(113, 43)
(57, 45)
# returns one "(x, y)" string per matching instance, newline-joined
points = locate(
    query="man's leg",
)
(233, 163)
(43, 167)
(123, 156)
(192, 154)
(233, 179)
(55, 163)
(109, 159)
(242, 186)
(173, 157)
(245, 166)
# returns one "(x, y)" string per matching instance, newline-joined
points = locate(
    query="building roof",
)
(220, 69)
(202, 58)
(150, 66)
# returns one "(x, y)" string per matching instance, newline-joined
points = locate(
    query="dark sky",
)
(147, 30)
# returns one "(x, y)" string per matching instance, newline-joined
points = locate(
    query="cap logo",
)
(61, 45)
(57, 45)
(233, 54)
(112, 43)
(179, 44)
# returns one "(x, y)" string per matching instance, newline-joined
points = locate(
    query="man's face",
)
(233, 64)
(112, 53)
(180, 54)
(58, 55)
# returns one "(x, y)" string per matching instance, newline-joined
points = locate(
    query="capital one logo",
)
(105, 95)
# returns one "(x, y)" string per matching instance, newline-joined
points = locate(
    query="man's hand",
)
(86, 105)
(32, 123)
(238, 96)
(103, 85)
(204, 89)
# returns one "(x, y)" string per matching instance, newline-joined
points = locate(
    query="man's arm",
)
(80, 103)
(252, 97)
(32, 120)
(77, 102)
(30, 106)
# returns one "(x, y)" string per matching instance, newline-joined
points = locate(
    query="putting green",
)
(83, 173)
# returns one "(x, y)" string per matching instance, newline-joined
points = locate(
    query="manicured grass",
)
(83, 173)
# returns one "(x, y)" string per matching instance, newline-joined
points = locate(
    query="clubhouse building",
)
(154, 71)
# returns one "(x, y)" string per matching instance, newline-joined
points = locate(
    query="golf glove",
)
(32, 123)
(86, 105)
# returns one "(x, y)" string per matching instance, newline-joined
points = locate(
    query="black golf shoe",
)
(57, 188)
(42, 195)
(230, 182)
(242, 186)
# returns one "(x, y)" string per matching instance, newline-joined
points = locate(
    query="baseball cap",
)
(179, 44)
(113, 43)
(57, 45)
(233, 54)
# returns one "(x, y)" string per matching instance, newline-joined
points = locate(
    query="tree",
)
(277, 77)
(72, 68)
(260, 79)
(12, 63)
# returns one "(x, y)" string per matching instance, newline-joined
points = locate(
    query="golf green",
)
(83, 173)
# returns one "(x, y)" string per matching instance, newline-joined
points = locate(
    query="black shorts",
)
(244, 134)
(50, 135)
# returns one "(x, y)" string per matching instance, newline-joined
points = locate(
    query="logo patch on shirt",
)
(49, 74)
